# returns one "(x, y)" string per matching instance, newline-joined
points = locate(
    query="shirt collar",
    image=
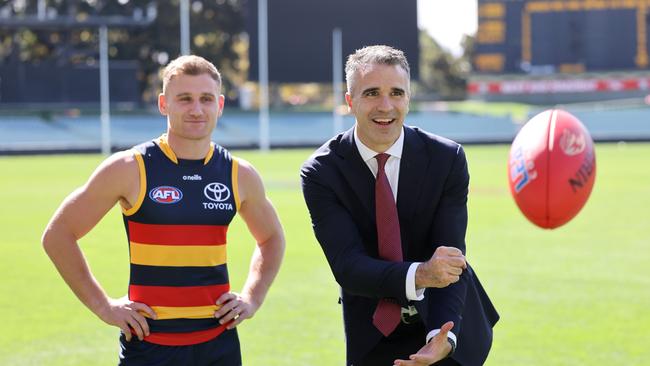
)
(367, 153)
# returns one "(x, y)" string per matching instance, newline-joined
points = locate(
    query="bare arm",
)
(263, 223)
(112, 182)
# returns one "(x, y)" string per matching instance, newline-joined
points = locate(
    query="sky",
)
(448, 20)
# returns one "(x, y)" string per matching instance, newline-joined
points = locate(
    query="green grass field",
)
(578, 295)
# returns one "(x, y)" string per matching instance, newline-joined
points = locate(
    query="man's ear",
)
(162, 104)
(222, 102)
(348, 100)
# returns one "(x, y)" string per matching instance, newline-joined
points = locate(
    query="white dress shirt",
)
(392, 173)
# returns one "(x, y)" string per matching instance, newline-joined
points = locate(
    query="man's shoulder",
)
(142, 148)
(431, 140)
(327, 158)
(326, 154)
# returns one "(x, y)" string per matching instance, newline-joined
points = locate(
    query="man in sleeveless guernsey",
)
(178, 194)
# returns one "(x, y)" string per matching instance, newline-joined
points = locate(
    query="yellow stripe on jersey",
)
(235, 182)
(143, 185)
(210, 153)
(166, 149)
(163, 142)
(186, 312)
(178, 255)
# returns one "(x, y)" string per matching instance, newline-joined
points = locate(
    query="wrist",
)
(452, 346)
(252, 301)
(101, 307)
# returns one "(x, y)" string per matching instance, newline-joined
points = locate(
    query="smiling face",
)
(379, 99)
(192, 104)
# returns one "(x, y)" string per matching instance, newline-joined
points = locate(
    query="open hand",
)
(432, 352)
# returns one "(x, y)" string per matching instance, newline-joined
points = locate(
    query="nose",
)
(195, 109)
(384, 104)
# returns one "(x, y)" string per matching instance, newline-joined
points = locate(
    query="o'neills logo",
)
(218, 193)
(166, 194)
(192, 177)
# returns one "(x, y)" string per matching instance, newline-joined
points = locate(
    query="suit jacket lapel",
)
(413, 165)
(356, 172)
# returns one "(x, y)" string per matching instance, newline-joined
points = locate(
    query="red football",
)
(552, 168)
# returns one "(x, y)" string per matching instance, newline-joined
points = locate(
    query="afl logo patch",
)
(166, 194)
(216, 192)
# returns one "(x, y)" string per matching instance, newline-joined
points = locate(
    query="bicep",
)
(86, 206)
(256, 209)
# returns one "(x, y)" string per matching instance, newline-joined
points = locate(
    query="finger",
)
(142, 322)
(229, 315)
(421, 359)
(135, 326)
(238, 320)
(127, 332)
(235, 322)
(446, 327)
(453, 279)
(403, 363)
(454, 271)
(458, 262)
(225, 309)
(226, 297)
(450, 251)
(143, 308)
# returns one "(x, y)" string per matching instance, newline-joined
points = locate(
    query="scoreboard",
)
(541, 37)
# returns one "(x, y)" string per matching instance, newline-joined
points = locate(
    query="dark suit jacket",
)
(431, 203)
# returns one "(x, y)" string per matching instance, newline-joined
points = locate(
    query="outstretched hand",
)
(129, 316)
(234, 309)
(432, 352)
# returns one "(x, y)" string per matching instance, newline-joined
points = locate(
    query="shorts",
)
(224, 350)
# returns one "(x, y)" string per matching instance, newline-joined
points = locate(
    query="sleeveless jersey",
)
(177, 240)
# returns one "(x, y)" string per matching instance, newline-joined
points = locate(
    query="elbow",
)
(47, 241)
(344, 275)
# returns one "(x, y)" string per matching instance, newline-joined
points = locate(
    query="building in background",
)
(300, 34)
(550, 51)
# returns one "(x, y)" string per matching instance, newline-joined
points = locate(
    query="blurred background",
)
(479, 68)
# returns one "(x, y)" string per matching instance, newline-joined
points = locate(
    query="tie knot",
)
(381, 160)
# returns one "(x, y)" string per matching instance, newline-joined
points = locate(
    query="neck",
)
(187, 148)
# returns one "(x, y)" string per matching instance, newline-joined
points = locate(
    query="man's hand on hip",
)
(128, 316)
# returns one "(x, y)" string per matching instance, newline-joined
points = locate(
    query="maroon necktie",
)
(388, 313)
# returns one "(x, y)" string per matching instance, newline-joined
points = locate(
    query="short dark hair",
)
(378, 55)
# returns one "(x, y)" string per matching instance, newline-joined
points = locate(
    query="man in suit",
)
(388, 205)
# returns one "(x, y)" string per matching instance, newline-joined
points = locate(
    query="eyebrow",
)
(376, 89)
(187, 94)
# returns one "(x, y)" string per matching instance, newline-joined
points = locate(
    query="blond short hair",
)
(189, 65)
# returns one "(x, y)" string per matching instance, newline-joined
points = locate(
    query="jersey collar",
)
(163, 143)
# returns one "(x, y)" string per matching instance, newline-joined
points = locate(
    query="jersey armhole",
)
(143, 185)
(235, 182)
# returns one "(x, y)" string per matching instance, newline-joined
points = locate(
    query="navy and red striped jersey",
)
(177, 233)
